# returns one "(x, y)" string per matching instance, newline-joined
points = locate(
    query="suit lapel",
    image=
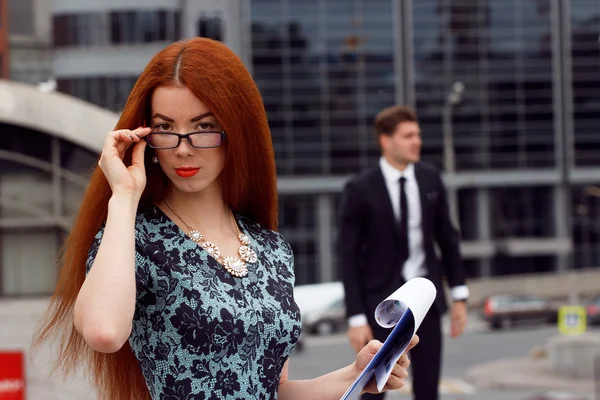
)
(383, 194)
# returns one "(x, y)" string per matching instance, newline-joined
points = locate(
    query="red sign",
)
(12, 375)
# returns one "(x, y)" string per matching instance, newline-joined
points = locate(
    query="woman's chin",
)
(190, 187)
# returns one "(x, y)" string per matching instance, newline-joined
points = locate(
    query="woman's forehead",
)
(177, 103)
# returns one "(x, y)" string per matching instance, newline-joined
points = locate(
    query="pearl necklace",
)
(235, 266)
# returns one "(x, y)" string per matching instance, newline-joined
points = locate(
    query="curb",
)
(525, 374)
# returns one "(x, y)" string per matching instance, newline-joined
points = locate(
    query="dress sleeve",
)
(141, 260)
(93, 251)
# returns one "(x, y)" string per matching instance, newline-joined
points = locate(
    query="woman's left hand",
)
(399, 373)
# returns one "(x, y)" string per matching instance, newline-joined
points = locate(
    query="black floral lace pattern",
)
(200, 333)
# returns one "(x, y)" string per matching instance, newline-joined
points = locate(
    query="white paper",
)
(403, 310)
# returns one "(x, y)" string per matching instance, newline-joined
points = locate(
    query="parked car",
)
(507, 310)
(332, 319)
(322, 307)
(593, 311)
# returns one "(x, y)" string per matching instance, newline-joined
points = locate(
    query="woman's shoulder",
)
(148, 215)
(144, 219)
(264, 236)
(152, 224)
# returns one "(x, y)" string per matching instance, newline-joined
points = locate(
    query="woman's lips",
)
(186, 172)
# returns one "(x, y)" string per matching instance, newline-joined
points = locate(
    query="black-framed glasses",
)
(171, 140)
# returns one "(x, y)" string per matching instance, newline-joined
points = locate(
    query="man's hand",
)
(359, 336)
(459, 318)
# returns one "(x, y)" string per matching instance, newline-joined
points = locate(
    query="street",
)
(477, 345)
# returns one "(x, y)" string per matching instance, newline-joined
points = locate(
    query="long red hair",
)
(221, 81)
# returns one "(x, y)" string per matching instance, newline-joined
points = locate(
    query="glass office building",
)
(525, 176)
(524, 135)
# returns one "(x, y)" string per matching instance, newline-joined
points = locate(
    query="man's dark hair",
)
(388, 119)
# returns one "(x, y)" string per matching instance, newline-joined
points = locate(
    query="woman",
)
(174, 283)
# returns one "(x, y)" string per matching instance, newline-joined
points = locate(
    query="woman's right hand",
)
(122, 179)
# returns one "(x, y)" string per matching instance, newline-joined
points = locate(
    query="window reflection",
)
(585, 50)
(325, 68)
(501, 51)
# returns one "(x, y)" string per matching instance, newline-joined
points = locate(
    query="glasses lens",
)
(162, 140)
(206, 139)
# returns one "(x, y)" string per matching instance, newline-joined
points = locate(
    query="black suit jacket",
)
(368, 251)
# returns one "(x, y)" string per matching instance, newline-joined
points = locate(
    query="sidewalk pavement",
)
(528, 373)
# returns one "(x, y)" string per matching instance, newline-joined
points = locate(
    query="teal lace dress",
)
(200, 333)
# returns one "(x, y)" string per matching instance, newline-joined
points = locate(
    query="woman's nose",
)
(184, 148)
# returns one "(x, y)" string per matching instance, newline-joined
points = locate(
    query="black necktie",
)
(403, 221)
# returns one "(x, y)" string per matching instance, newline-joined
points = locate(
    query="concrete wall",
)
(73, 120)
(123, 60)
(80, 6)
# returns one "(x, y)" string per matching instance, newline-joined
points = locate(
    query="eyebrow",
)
(199, 117)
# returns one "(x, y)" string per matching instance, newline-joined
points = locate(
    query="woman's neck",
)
(205, 211)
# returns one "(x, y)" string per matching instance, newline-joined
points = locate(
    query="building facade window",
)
(32, 216)
(525, 212)
(110, 92)
(210, 27)
(298, 221)
(585, 52)
(116, 28)
(324, 68)
(586, 226)
(501, 51)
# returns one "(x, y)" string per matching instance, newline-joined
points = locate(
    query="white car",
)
(322, 307)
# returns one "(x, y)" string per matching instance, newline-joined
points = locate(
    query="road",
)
(477, 345)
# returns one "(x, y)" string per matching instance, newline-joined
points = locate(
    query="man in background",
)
(391, 216)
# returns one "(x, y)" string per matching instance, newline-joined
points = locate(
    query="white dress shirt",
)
(414, 266)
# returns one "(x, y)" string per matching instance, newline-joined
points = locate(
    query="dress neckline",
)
(237, 217)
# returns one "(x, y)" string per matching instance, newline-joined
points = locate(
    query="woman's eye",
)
(162, 127)
(205, 125)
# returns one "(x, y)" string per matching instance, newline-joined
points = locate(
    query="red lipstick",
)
(186, 172)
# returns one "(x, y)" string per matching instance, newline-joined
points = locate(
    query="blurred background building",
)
(524, 136)
(527, 174)
(49, 141)
(29, 28)
(100, 48)
(518, 145)
(4, 66)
